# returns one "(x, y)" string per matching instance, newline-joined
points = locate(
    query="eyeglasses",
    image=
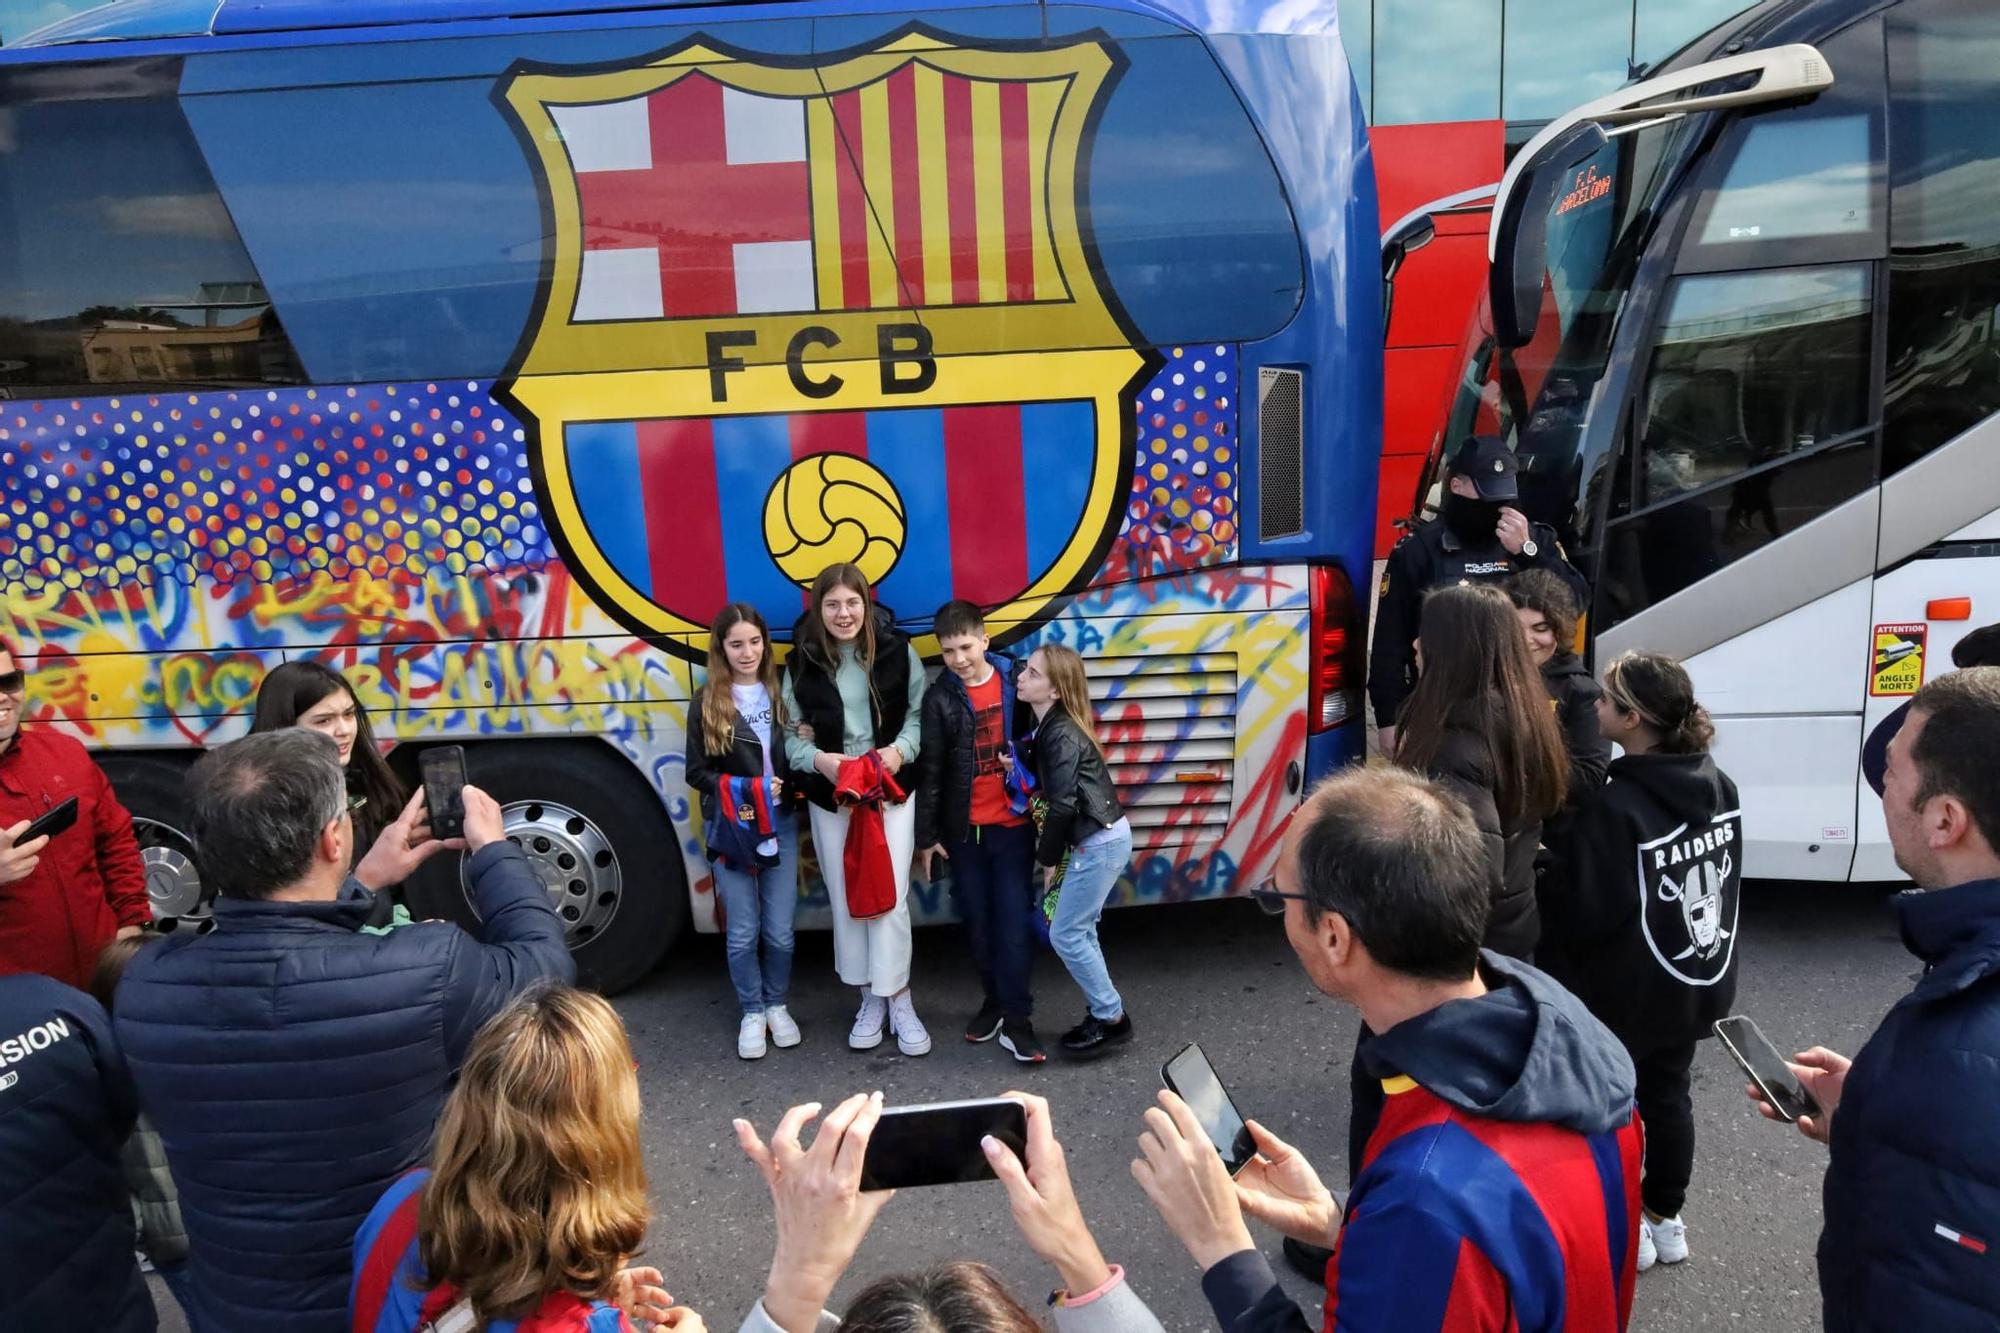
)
(13, 682)
(1271, 901)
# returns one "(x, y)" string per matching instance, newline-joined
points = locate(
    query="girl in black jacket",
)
(1085, 823)
(1641, 897)
(1547, 610)
(736, 729)
(1479, 722)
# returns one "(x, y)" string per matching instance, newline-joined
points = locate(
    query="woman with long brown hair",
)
(1085, 824)
(854, 685)
(1479, 722)
(535, 1199)
(736, 761)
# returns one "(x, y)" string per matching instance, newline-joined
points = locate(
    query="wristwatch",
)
(1529, 549)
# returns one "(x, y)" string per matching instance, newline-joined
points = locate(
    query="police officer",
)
(1477, 537)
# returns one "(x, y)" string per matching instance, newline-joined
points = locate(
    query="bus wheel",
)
(602, 845)
(151, 788)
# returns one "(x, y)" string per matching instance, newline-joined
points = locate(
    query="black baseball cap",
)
(1491, 465)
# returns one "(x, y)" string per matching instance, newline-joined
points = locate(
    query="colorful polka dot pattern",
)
(1181, 513)
(387, 481)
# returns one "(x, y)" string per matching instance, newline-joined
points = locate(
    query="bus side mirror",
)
(1521, 232)
(1398, 246)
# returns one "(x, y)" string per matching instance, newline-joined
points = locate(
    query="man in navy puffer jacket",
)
(293, 1065)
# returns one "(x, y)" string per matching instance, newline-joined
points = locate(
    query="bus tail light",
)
(1338, 662)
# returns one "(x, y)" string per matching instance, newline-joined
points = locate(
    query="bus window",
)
(1944, 263)
(119, 266)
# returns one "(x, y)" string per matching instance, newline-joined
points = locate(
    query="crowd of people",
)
(319, 1114)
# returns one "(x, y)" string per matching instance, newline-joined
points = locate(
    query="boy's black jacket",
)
(944, 795)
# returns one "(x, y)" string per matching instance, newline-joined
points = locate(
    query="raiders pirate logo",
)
(1690, 885)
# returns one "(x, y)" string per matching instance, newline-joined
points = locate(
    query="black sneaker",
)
(1094, 1036)
(985, 1024)
(1017, 1038)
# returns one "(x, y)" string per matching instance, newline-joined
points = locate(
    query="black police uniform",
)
(1434, 556)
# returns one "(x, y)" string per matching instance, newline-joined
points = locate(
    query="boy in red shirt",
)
(970, 816)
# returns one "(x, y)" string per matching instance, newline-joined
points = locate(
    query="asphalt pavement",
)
(1818, 963)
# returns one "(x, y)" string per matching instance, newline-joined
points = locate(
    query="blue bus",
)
(482, 351)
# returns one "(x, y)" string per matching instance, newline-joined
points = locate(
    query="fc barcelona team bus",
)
(1743, 330)
(482, 351)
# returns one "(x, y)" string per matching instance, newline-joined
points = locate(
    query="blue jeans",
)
(180, 1284)
(761, 906)
(1093, 873)
(992, 881)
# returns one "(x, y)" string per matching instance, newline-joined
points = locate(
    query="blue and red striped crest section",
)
(1460, 1223)
(683, 508)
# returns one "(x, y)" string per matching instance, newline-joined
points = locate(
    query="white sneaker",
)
(784, 1032)
(1670, 1238)
(750, 1038)
(1649, 1254)
(866, 1034)
(911, 1036)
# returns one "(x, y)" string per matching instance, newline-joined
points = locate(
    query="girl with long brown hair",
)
(1085, 823)
(853, 685)
(535, 1199)
(736, 761)
(1479, 722)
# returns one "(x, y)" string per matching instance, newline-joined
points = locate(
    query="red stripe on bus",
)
(1016, 192)
(829, 433)
(854, 219)
(987, 502)
(960, 189)
(683, 516)
(909, 209)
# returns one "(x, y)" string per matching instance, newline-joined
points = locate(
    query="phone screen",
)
(1760, 1059)
(939, 1143)
(443, 767)
(1191, 1078)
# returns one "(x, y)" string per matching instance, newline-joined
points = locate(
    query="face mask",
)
(1470, 520)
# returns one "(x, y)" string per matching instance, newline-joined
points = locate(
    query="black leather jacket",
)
(944, 795)
(743, 759)
(1075, 782)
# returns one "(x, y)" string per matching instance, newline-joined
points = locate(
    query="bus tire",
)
(152, 787)
(602, 844)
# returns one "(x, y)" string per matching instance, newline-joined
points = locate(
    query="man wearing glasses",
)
(1500, 1186)
(64, 895)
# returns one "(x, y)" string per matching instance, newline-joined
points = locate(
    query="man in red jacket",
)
(62, 898)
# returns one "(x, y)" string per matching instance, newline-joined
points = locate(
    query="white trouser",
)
(873, 954)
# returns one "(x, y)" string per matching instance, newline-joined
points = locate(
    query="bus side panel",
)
(1786, 699)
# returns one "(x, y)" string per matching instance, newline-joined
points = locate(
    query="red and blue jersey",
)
(1461, 1223)
(390, 1296)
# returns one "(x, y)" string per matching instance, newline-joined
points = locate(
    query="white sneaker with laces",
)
(750, 1038)
(784, 1032)
(866, 1034)
(1670, 1239)
(912, 1038)
(1648, 1254)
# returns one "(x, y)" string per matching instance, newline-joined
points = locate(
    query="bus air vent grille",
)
(1168, 724)
(1281, 453)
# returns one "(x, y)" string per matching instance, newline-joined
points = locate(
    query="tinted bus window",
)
(1944, 263)
(119, 265)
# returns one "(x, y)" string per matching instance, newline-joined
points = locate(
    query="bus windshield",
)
(1538, 396)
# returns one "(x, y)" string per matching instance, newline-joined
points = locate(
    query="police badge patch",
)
(1690, 886)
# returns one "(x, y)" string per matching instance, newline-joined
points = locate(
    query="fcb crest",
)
(796, 314)
(1690, 884)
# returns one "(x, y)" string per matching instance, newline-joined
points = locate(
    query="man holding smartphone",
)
(63, 895)
(1500, 1188)
(1912, 1188)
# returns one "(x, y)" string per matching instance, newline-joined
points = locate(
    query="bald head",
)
(1400, 859)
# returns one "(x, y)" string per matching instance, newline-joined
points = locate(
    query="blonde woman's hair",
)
(1065, 672)
(718, 705)
(537, 1181)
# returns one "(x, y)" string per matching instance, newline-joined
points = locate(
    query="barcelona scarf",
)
(743, 818)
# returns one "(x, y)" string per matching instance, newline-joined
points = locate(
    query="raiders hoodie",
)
(1499, 1186)
(1639, 900)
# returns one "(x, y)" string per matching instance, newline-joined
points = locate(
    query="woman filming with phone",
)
(1639, 905)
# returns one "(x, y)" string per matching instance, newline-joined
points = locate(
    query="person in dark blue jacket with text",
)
(293, 1064)
(1912, 1231)
(66, 1106)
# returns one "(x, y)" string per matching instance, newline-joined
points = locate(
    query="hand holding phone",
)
(1778, 1086)
(20, 854)
(1192, 1078)
(57, 819)
(1043, 1201)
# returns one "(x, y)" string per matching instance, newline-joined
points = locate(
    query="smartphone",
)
(443, 767)
(939, 1143)
(1192, 1078)
(1751, 1049)
(50, 822)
